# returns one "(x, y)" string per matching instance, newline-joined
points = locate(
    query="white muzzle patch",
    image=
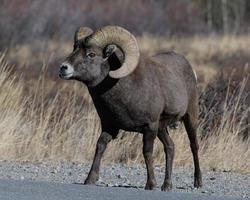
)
(66, 70)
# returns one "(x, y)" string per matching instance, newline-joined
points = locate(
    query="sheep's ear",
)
(81, 33)
(109, 50)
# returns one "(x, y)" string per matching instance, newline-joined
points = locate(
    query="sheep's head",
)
(88, 61)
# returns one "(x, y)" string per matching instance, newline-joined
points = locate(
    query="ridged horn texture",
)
(125, 40)
(82, 33)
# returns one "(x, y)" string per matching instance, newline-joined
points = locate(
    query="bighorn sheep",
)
(135, 93)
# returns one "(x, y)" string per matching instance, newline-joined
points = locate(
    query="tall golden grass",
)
(39, 122)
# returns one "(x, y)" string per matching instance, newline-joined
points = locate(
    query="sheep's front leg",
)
(101, 145)
(148, 145)
(169, 155)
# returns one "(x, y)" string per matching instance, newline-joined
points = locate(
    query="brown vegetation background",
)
(45, 118)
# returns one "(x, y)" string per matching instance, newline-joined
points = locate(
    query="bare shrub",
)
(25, 21)
(222, 94)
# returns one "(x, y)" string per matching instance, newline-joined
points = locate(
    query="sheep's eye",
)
(91, 55)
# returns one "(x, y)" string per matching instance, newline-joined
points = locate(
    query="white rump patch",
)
(195, 75)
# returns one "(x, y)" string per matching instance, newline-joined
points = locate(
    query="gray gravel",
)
(32, 190)
(118, 175)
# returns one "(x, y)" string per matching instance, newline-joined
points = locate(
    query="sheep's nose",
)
(66, 71)
(64, 67)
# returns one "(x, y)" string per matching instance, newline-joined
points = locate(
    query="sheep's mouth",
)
(65, 76)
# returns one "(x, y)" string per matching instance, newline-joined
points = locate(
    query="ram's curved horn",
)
(123, 39)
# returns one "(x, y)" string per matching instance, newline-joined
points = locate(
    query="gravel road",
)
(123, 176)
(27, 190)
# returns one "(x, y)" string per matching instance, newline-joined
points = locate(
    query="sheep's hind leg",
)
(102, 142)
(190, 123)
(169, 156)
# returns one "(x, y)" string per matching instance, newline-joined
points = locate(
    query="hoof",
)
(89, 182)
(197, 182)
(166, 186)
(150, 185)
(91, 179)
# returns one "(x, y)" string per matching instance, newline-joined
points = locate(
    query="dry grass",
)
(203, 52)
(48, 120)
(206, 54)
